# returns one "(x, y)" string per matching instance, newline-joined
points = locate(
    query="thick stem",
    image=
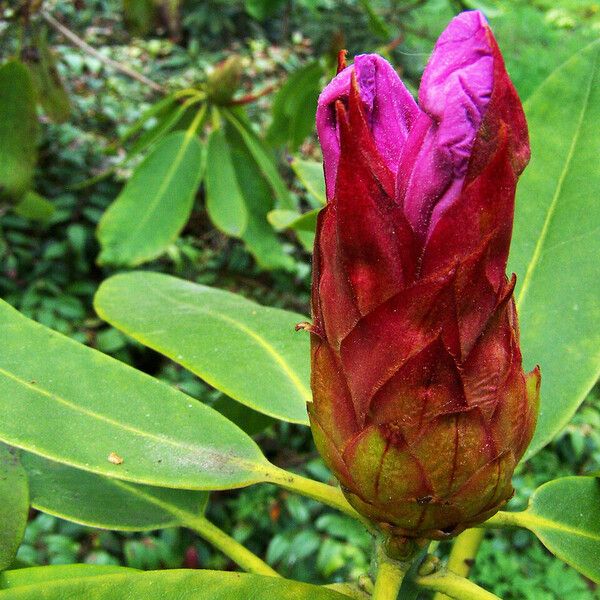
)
(455, 587)
(389, 578)
(327, 494)
(228, 546)
(462, 555)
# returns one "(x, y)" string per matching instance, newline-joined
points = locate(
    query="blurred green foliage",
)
(48, 264)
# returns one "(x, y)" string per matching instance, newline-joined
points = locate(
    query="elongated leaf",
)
(224, 197)
(262, 157)
(565, 516)
(18, 131)
(248, 351)
(258, 236)
(175, 584)
(294, 106)
(42, 575)
(76, 406)
(556, 241)
(50, 89)
(310, 174)
(155, 203)
(167, 119)
(157, 110)
(14, 505)
(99, 501)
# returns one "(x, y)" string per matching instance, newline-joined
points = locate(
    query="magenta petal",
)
(455, 91)
(389, 108)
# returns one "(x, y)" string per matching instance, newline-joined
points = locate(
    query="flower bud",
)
(420, 404)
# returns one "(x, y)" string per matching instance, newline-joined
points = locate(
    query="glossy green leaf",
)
(98, 501)
(14, 505)
(77, 406)
(175, 584)
(556, 241)
(224, 196)
(261, 155)
(50, 89)
(310, 174)
(18, 131)
(250, 352)
(565, 515)
(42, 575)
(154, 205)
(35, 207)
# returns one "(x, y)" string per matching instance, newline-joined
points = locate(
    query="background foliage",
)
(96, 133)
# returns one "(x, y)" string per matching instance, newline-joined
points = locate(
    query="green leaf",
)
(287, 219)
(556, 241)
(165, 585)
(167, 118)
(303, 224)
(74, 405)
(258, 236)
(158, 109)
(34, 207)
(18, 131)
(377, 24)
(295, 106)
(249, 352)
(98, 501)
(565, 515)
(262, 157)
(224, 196)
(310, 174)
(42, 575)
(50, 89)
(14, 505)
(154, 205)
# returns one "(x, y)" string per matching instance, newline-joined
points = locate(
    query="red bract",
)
(421, 407)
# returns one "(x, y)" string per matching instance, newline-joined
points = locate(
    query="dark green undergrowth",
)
(48, 269)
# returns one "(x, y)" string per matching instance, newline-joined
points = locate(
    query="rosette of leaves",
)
(199, 143)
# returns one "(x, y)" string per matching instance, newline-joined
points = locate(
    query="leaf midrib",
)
(261, 341)
(194, 449)
(532, 521)
(166, 182)
(538, 250)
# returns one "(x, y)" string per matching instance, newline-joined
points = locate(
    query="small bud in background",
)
(421, 406)
(224, 80)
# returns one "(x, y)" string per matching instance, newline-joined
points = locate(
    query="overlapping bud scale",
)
(421, 406)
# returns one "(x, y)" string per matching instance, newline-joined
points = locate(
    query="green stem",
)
(389, 578)
(327, 494)
(507, 519)
(455, 587)
(228, 546)
(463, 553)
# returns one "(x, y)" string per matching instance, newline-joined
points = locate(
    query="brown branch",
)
(85, 47)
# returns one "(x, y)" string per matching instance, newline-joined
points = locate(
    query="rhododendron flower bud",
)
(421, 407)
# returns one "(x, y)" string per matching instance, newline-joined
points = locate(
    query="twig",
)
(85, 47)
(248, 98)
